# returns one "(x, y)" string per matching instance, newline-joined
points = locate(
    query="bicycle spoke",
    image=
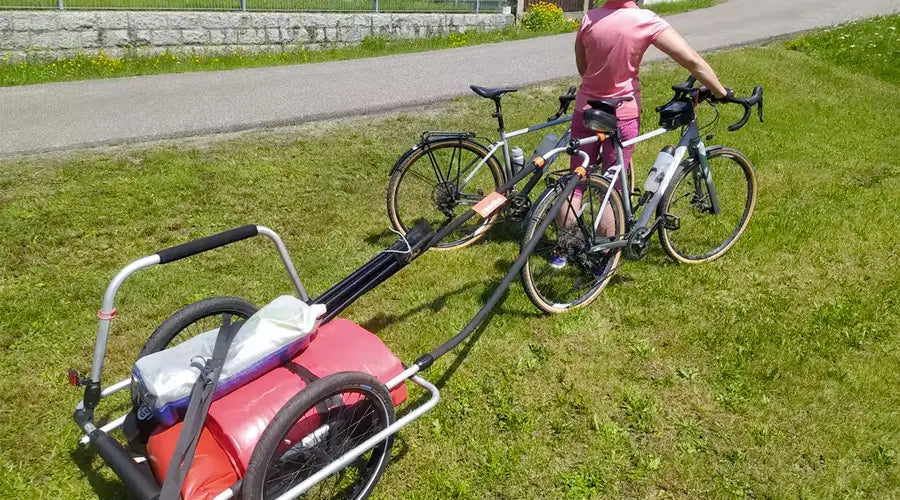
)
(434, 165)
(453, 156)
(349, 424)
(437, 188)
(424, 179)
(556, 287)
(704, 235)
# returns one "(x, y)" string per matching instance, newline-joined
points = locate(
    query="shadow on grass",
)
(400, 447)
(504, 230)
(382, 239)
(85, 459)
(381, 320)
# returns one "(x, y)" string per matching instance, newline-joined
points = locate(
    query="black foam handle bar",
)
(138, 482)
(204, 244)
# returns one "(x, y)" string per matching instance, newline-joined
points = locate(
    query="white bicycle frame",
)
(503, 146)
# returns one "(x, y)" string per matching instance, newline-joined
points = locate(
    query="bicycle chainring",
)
(517, 207)
(638, 244)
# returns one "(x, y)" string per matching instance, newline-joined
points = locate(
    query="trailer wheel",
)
(194, 319)
(187, 322)
(323, 421)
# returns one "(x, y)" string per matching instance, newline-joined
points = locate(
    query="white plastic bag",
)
(269, 338)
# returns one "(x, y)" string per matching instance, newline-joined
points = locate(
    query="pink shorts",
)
(629, 130)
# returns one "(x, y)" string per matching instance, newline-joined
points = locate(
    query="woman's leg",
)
(566, 216)
(628, 130)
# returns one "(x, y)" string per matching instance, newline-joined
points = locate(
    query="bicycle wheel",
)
(439, 181)
(704, 236)
(194, 319)
(326, 419)
(585, 273)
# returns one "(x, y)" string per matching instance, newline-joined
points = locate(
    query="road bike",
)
(700, 200)
(446, 173)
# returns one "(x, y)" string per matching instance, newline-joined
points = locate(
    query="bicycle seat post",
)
(498, 114)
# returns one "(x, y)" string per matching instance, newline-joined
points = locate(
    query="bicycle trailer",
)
(314, 410)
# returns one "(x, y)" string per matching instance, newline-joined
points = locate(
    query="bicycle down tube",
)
(618, 173)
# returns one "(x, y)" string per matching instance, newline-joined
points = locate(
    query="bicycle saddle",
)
(609, 105)
(491, 93)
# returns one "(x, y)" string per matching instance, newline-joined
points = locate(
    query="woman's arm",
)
(672, 43)
(580, 59)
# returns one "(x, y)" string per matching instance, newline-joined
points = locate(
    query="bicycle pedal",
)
(671, 222)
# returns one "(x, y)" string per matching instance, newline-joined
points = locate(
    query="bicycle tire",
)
(432, 197)
(189, 318)
(543, 285)
(282, 443)
(698, 239)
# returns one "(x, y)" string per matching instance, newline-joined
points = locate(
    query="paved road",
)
(77, 114)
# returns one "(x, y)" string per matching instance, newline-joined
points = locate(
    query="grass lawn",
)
(770, 373)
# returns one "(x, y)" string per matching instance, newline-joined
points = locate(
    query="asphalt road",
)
(58, 116)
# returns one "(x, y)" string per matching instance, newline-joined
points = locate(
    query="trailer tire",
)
(351, 407)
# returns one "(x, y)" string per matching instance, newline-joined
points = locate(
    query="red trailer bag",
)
(236, 421)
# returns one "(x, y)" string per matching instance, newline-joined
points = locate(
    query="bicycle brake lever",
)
(565, 101)
(759, 105)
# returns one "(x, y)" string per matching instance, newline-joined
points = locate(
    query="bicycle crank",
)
(638, 244)
(517, 207)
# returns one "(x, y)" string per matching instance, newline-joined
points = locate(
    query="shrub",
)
(545, 16)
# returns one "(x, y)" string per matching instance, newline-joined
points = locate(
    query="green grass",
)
(679, 6)
(871, 46)
(38, 69)
(770, 373)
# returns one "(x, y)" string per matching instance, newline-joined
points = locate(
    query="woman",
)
(609, 47)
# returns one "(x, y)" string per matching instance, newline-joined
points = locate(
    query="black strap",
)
(308, 377)
(201, 398)
(301, 371)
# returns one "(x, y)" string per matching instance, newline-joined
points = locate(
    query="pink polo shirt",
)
(615, 38)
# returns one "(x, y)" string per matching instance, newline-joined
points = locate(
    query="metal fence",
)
(459, 6)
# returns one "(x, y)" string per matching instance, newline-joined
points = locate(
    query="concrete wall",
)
(65, 33)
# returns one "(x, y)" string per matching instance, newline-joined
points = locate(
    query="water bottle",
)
(516, 159)
(547, 143)
(664, 160)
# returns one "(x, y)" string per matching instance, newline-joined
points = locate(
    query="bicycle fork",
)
(702, 175)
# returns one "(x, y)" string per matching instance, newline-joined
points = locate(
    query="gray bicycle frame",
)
(503, 146)
(690, 142)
